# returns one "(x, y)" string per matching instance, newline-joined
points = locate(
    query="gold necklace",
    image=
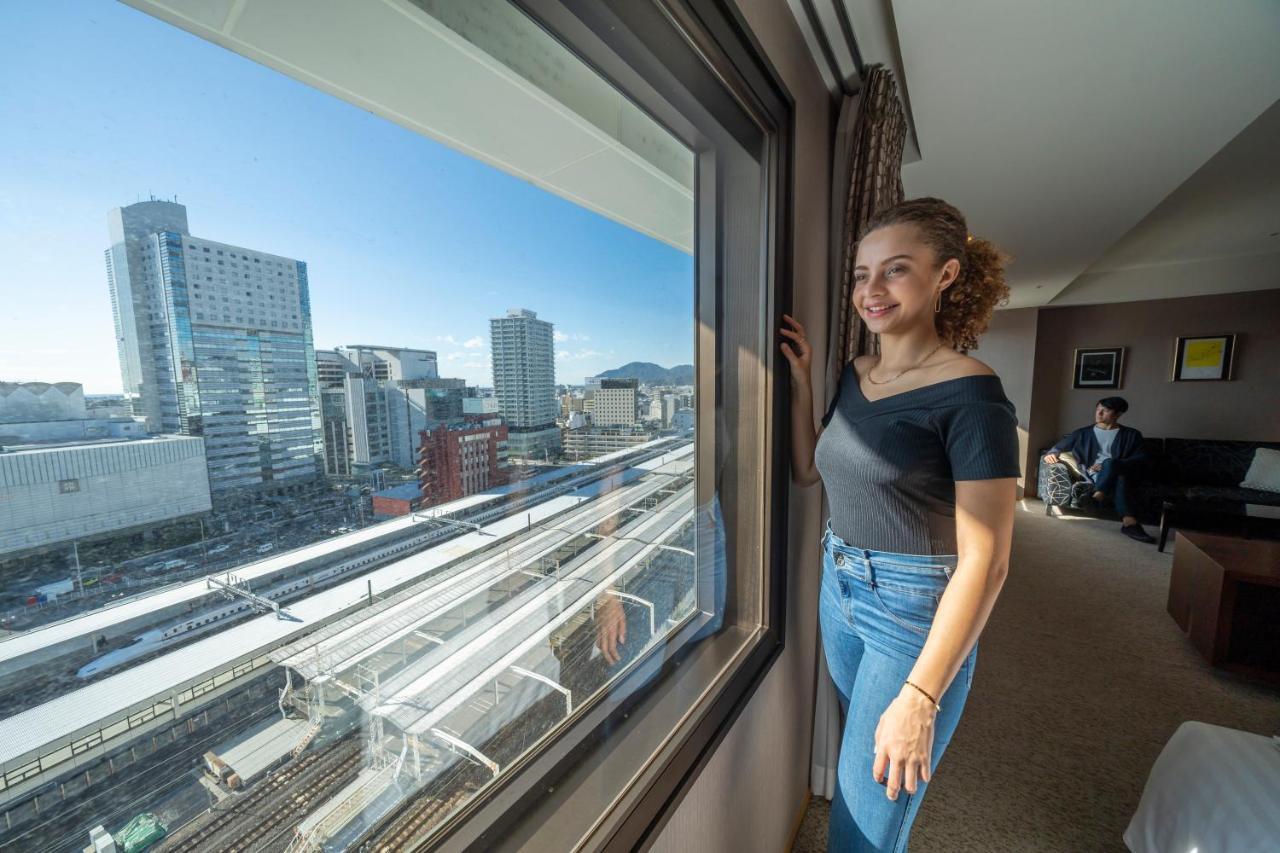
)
(899, 375)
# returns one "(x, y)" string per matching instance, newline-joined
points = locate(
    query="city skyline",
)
(406, 241)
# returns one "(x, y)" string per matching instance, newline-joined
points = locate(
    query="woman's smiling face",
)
(896, 280)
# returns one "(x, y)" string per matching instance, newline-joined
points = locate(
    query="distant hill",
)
(652, 374)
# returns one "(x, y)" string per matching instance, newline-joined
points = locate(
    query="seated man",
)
(1114, 456)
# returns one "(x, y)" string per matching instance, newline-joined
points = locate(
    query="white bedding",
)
(1211, 790)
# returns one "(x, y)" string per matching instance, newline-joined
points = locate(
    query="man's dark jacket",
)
(1127, 448)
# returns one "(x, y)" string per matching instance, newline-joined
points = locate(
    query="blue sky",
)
(407, 242)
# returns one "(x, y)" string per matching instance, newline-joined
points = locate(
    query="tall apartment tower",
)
(524, 381)
(215, 340)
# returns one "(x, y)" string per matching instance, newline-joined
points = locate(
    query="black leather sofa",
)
(1177, 469)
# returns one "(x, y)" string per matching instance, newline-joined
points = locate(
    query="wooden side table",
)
(1224, 592)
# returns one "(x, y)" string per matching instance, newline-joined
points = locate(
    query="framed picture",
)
(1201, 358)
(1099, 368)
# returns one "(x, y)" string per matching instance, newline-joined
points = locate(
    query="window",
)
(485, 659)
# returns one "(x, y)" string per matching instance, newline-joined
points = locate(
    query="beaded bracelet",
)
(926, 694)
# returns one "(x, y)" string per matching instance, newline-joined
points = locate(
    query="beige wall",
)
(752, 789)
(1009, 348)
(1246, 408)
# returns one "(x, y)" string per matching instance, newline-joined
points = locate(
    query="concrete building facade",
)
(66, 475)
(589, 442)
(60, 493)
(615, 403)
(388, 397)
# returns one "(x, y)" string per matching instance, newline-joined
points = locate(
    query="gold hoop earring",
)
(937, 304)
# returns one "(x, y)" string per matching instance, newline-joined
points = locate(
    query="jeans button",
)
(839, 559)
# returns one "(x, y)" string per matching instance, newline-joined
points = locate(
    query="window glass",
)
(485, 459)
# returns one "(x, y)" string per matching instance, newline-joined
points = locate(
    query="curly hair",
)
(979, 287)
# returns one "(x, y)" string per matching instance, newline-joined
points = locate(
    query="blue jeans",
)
(875, 610)
(1115, 479)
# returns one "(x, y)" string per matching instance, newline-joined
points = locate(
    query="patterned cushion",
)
(1058, 486)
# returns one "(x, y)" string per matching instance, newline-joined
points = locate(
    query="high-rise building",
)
(332, 369)
(615, 403)
(383, 398)
(368, 420)
(402, 393)
(415, 405)
(524, 380)
(215, 341)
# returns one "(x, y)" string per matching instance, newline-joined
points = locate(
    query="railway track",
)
(290, 808)
(417, 822)
(252, 816)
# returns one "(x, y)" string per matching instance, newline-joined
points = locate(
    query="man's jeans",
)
(1114, 479)
(875, 610)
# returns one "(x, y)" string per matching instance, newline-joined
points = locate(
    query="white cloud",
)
(446, 339)
(474, 343)
(560, 336)
(579, 355)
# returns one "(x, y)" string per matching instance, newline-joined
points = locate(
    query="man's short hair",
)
(1119, 405)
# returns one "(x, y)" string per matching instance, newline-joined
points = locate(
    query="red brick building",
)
(461, 459)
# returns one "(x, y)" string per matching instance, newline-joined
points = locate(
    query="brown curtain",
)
(866, 177)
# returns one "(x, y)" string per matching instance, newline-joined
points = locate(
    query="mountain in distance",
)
(651, 374)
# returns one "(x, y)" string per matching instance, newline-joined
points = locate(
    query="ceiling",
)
(1118, 151)
(479, 77)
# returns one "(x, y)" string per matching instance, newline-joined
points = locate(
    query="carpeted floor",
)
(1082, 677)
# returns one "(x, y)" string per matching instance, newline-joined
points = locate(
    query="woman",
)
(919, 455)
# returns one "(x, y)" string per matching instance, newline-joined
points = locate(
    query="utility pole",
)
(75, 551)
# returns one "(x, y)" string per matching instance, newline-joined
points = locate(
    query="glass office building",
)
(215, 340)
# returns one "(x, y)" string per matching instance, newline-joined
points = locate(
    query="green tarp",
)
(140, 833)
